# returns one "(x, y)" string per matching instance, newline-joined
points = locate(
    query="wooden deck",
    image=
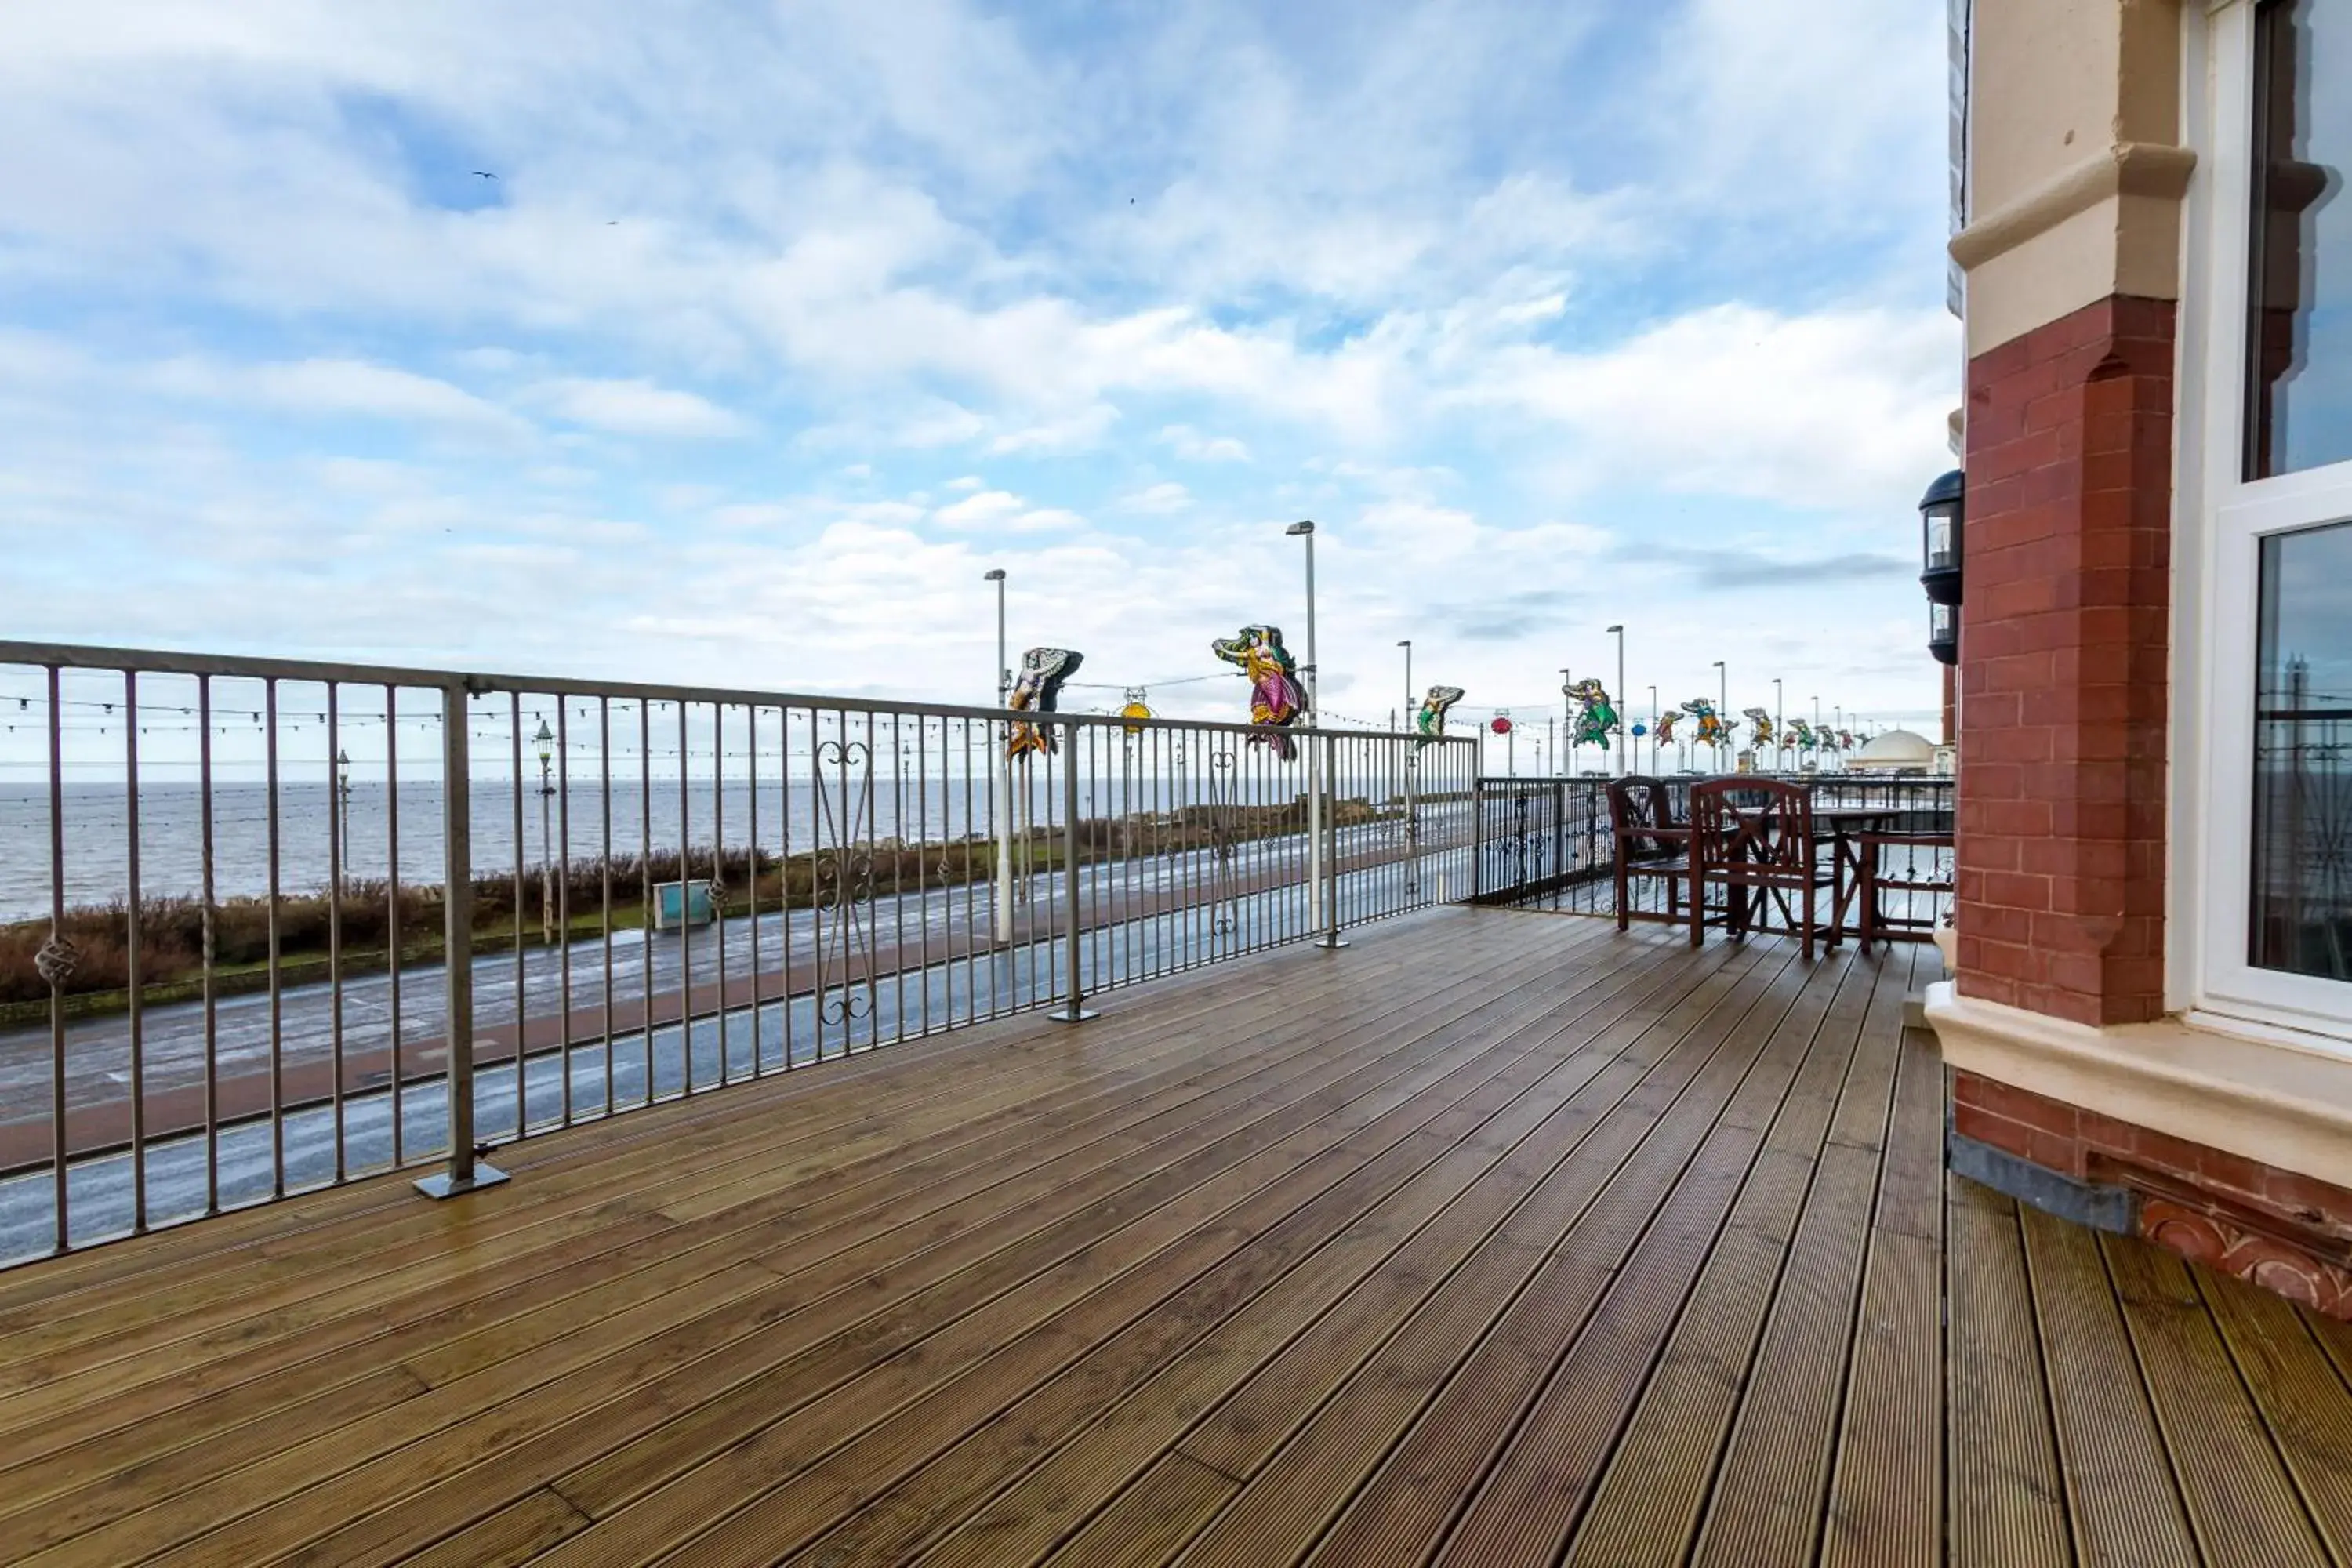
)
(1497, 1239)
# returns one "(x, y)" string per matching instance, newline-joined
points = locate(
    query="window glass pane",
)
(2302, 755)
(2299, 412)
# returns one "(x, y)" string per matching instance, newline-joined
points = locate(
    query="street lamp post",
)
(1618, 632)
(545, 742)
(1722, 703)
(1780, 739)
(1005, 771)
(1321, 907)
(1653, 729)
(1411, 764)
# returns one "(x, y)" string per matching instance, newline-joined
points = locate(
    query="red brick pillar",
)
(2063, 651)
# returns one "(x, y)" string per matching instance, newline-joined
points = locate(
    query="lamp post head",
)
(993, 575)
(1298, 530)
(1619, 630)
(545, 742)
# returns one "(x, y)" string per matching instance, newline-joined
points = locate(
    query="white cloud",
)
(1194, 448)
(1842, 408)
(330, 388)
(1001, 511)
(1160, 500)
(633, 407)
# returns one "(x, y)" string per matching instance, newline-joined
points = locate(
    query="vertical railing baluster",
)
(751, 873)
(466, 1172)
(784, 873)
(718, 876)
(211, 939)
(685, 917)
(335, 924)
(605, 875)
(276, 985)
(521, 889)
(394, 928)
(563, 905)
(1074, 996)
(55, 964)
(133, 978)
(647, 910)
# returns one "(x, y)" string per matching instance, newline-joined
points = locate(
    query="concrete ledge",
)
(2285, 1108)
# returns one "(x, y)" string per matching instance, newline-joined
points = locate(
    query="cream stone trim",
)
(2286, 1108)
(2126, 169)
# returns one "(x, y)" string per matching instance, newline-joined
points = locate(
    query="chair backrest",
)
(1766, 824)
(1638, 807)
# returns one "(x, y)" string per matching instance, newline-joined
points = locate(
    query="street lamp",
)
(1779, 722)
(1619, 632)
(545, 742)
(1412, 814)
(1653, 729)
(1318, 896)
(1005, 771)
(1722, 701)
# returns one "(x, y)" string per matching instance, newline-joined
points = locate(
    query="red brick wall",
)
(2063, 653)
(2282, 1230)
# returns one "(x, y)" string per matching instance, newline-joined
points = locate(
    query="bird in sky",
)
(484, 173)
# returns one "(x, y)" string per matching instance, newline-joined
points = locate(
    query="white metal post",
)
(1004, 773)
(1315, 891)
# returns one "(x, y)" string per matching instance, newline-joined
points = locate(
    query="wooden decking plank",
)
(571, 1353)
(606, 1485)
(2304, 1405)
(677, 1385)
(187, 1250)
(1531, 1494)
(546, 1324)
(106, 1326)
(1245, 1430)
(906, 1518)
(2245, 1510)
(1887, 1489)
(1458, 1269)
(1284, 1507)
(1054, 1498)
(539, 1327)
(2122, 1500)
(682, 1127)
(2006, 1496)
(1170, 1495)
(985, 1456)
(516, 1535)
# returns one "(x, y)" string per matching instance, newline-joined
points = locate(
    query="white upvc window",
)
(2263, 758)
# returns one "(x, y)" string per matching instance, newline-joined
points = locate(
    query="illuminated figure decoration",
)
(1665, 727)
(1845, 739)
(1761, 722)
(1595, 718)
(1043, 671)
(1711, 731)
(1429, 721)
(1275, 700)
(1803, 734)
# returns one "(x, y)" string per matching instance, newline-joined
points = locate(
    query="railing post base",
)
(446, 1185)
(1330, 941)
(1065, 1016)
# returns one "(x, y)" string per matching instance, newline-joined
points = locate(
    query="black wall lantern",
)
(1941, 512)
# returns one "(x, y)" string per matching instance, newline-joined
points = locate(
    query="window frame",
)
(2216, 576)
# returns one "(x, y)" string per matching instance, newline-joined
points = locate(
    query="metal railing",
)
(1547, 843)
(267, 925)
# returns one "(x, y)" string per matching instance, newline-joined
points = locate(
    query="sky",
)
(734, 341)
